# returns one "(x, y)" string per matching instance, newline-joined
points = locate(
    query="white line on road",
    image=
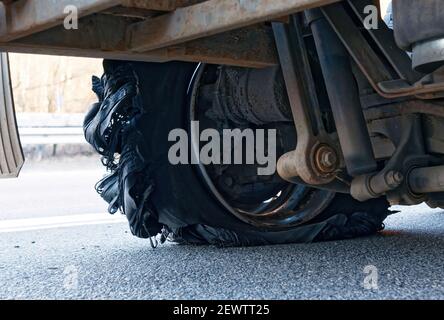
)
(18, 225)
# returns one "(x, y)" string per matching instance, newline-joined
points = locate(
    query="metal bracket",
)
(315, 160)
(391, 76)
(392, 179)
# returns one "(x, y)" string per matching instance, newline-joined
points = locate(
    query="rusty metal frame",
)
(92, 39)
(209, 18)
(211, 31)
(25, 17)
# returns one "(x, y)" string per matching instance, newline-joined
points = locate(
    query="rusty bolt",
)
(326, 159)
(394, 178)
(329, 159)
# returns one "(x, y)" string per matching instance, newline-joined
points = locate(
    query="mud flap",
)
(11, 154)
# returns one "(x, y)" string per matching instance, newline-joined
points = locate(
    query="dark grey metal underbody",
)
(367, 123)
(383, 132)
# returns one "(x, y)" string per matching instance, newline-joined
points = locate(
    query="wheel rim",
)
(290, 206)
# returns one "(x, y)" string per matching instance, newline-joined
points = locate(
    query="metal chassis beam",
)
(209, 18)
(28, 26)
(159, 5)
(249, 47)
(25, 17)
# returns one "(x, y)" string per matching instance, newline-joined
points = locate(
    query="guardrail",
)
(41, 128)
(51, 135)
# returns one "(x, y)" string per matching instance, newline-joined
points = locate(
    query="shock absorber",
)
(344, 96)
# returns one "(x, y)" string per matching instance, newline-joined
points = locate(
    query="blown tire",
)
(175, 200)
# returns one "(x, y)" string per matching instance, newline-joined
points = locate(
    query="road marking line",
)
(18, 225)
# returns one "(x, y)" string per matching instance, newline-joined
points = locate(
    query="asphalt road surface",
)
(57, 242)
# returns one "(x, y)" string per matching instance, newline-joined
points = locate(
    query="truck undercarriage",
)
(358, 107)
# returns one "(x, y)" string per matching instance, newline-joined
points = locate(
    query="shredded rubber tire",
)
(139, 103)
